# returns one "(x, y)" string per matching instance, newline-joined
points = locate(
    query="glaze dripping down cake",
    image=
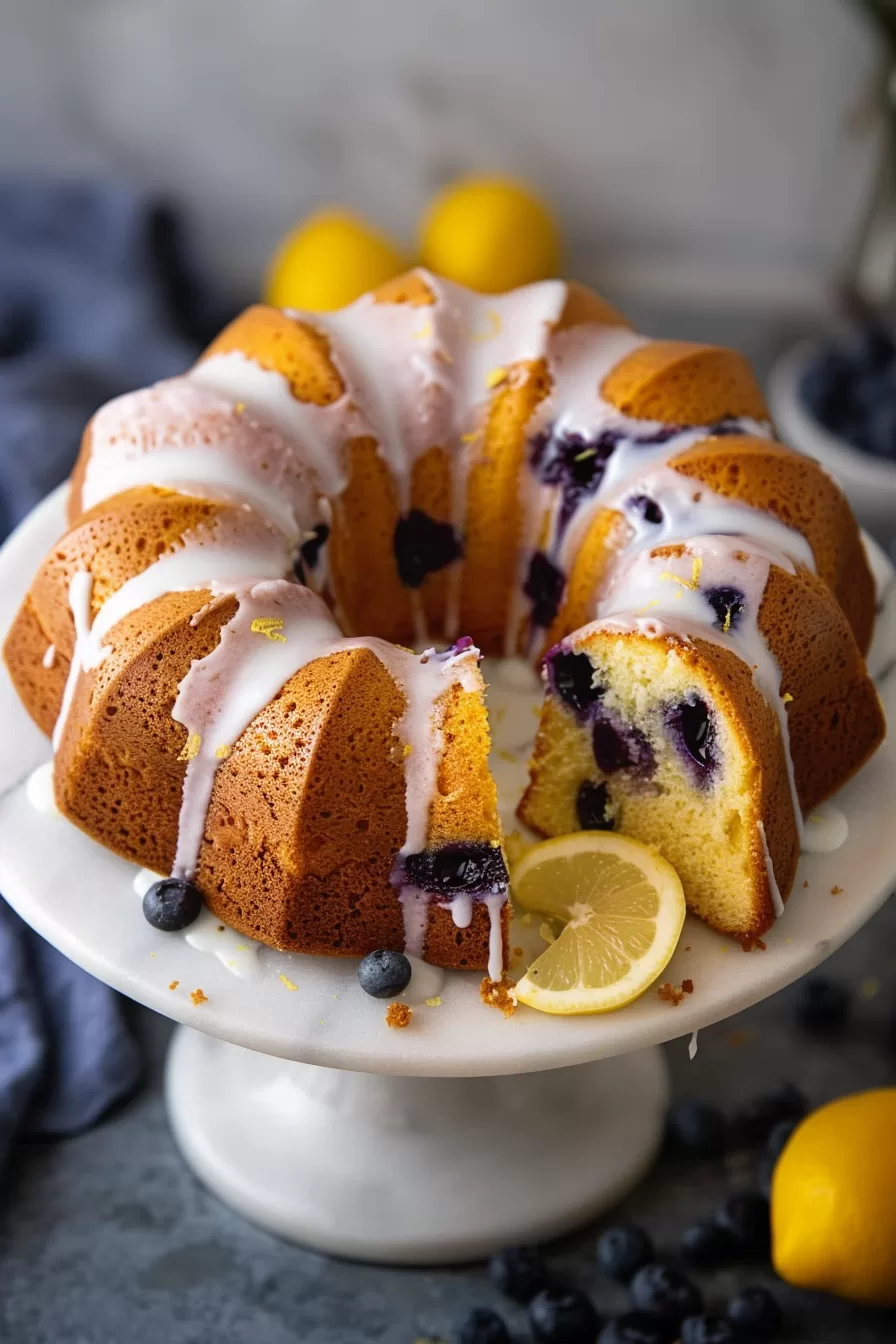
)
(220, 644)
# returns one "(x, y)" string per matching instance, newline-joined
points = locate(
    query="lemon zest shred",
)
(270, 627)
(191, 748)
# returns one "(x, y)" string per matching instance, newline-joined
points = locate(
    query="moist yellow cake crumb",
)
(199, 996)
(174, 984)
(434, 1002)
(836, 891)
(499, 994)
(398, 1015)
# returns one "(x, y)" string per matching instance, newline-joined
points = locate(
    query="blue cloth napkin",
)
(97, 296)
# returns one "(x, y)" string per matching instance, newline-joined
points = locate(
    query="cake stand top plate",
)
(81, 898)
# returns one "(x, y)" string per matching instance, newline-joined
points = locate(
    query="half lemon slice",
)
(622, 908)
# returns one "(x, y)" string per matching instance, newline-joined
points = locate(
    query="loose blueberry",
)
(482, 1326)
(693, 732)
(706, 1246)
(777, 1139)
(636, 1327)
(707, 1330)
(622, 1250)
(171, 904)
(871, 347)
(662, 1291)
(571, 676)
(383, 974)
(519, 1272)
(823, 1006)
(825, 385)
(563, 1316)
(728, 605)
(755, 1315)
(755, 1120)
(744, 1216)
(544, 587)
(592, 807)
(699, 1127)
(423, 545)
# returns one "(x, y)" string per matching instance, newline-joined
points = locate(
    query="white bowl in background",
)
(869, 482)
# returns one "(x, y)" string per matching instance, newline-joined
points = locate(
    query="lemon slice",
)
(622, 906)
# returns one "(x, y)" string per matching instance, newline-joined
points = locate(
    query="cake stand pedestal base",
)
(412, 1170)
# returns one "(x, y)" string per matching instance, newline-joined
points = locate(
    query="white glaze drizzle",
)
(826, 829)
(80, 592)
(49, 659)
(774, 889)
(40, 792)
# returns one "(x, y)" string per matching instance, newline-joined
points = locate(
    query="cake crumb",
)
(805, 884)
(174, 984)
(674, 994)
(434, 1002)
(284, 980)
(688, 948)
(398, 1016)
(836, 891)
(499, 994)
(199, 996)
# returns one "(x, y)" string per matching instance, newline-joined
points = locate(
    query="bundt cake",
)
(217, 643)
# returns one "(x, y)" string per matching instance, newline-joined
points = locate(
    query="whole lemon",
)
(834, 1200)
(328, 261)
(490, 233)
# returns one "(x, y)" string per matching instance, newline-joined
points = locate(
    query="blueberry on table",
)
(622, 1250)
(699, 1127)
(707, 1330)
(745, 1218)
(755, 1120)
(755, 1315)
(706, 1246)
(383, 974)
(563, 1316)
(662, 1291)
(482, 1326)
(519, 1272)
(636, 1327)
(822, 1006)
(172, 904)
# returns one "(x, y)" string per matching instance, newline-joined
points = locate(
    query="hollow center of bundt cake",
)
(468, 869)
(691, 727)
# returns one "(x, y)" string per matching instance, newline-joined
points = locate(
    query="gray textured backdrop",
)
(689, 144)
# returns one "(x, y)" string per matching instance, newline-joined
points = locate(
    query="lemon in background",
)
(490, 233)
(834, 1200)
(329, 260)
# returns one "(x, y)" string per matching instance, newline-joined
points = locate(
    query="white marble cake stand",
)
(291, 1098)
